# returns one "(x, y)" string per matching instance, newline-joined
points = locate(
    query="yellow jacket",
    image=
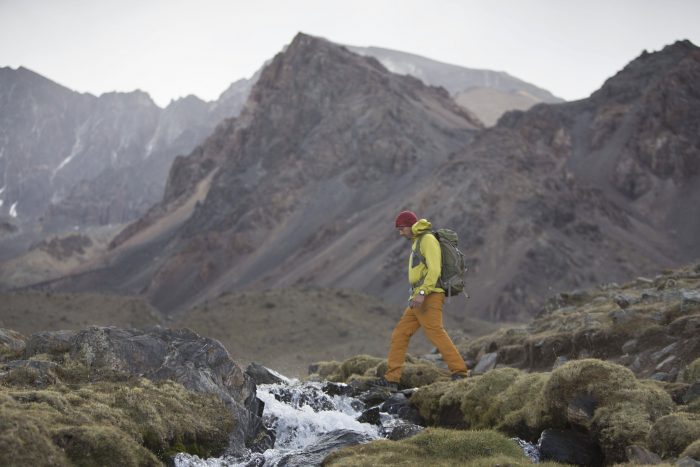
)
(423, 275)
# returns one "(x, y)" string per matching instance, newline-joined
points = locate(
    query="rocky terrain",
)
(70, 159)
(603, 376)
(302, 188)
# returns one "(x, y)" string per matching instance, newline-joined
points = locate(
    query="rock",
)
(692, 393)
(687, 462)
(644, 280)
(200, 364)
(690, 300)
(338, 389)
(656, 356)
(12, 343)
(262, 375)
(639, 455)
(314, 454)
(666, 364)
(581, 409)
(32, 372)
(486, 363)
(52, 343)
(398, 404)
(623, 301)
(402, 431)
(629, 346)
(569, 447)
(623, 316)
(370, 416)
(661, 376)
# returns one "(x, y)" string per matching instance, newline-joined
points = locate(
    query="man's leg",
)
(404, 329)
(430, 318)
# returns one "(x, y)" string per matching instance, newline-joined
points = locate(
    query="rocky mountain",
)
(75, 159)
(489, 94)
(303, 187)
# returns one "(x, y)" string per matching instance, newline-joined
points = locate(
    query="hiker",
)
(425, 304)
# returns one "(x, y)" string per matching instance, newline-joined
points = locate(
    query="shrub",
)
(673, 433)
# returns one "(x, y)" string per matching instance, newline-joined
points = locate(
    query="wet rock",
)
(370, 416)
(639, 455)
(403, 431)
(314, 398)
(486, 363)
(398, 404)
(314, 454)
(262, 375)
(338, 389)
(570, 447)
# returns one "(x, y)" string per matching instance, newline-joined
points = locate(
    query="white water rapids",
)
(309, 424)
(303, 417)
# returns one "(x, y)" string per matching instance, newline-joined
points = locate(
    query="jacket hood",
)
(421, 227)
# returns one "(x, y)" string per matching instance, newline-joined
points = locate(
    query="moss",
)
(673, 433)
(427, 400)
(434, 446)
(691, 373)
(358, 365)
(517, 410)
(140, 417)
(102, 445)
(421, 374)
(692, 450)
(328, 370)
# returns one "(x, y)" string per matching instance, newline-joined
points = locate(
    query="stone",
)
(623, 301)
(690, 300)
(262, 375)
(338, 389)
(656, 356)
(486, 363)
(661, 376)
(12, 343)
(569, 447)
(561, 359)
(629, 346)
(370, 416)
(623, 316)
(639, 455)
(403, 431)
(581, 409)
(687, 462)
(666, 364)
(692, 393)
(398, 404)
(198, 363)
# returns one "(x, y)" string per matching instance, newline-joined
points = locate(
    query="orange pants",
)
(429, 317)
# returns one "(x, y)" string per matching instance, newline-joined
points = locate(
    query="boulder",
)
(569, 447)
(486, 363)
(262, 375)
(12, 343)
(198, 363)
(639, 455)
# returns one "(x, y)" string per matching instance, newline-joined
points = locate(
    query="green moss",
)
(691, 373)
(140, 417)
(358, 365)
(427, 400)
(517, 410)
(692, 450)
(421, 374)
(102, 445)
(673, 433)
(329, 370)
(435, 447)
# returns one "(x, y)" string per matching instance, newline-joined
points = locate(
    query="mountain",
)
(75, 159)
(303, 187)
(489, 94)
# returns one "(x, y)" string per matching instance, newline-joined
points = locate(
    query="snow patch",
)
(75, 150)
(13, 210)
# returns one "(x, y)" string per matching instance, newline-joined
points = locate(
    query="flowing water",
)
(309, 424)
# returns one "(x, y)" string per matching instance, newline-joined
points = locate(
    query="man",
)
(425, 304)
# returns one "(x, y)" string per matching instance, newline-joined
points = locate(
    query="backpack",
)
(454, 266)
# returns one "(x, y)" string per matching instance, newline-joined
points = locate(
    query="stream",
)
(310, 423)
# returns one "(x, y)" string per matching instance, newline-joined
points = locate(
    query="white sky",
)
(171, 48)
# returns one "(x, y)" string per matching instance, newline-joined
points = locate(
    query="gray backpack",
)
(454, 266)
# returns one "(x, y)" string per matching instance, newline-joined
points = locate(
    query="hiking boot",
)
(384, 384)
(458, 376)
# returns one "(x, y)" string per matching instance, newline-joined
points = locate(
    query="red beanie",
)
(406, 219)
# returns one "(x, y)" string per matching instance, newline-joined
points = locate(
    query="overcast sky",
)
(171, 48)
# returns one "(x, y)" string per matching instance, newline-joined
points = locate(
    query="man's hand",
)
(417, 301)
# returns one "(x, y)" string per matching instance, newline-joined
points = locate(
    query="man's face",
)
(405, 232)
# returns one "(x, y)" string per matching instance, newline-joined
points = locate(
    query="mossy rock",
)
(416, 375)
(693, 450)
(673, 433)
(691, 373)
(358, 365)
(435, 447)
(327, 370)
(139, 423)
